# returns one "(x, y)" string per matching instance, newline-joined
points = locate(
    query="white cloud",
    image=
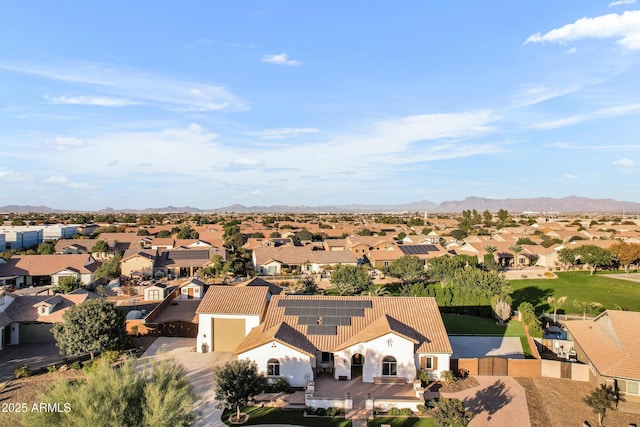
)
(598, 114)
(621, 3)
(13, 176)
(99, 101)
(280, 59)
(83, 186)
(56, 179)
(246, 162)
(64, 142)
(571, 51)
(284, 133)
(535, 94)
(625, 28)
(570, 176)
(624, 162)
(166, 92)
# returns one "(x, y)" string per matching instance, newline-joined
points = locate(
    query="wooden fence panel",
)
(524, 368)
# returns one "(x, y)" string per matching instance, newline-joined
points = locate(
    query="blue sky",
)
(149, 104)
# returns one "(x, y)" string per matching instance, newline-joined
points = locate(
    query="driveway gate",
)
(492, 366)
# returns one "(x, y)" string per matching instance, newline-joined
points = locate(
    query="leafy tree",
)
(306, 285)
(401, 235)
(585, 307)
(158, 395)
(109, 269)
(530, 319)
(303, 234)
(458, 234)
(364, 232)
(602, 398)
(257, 235)
(487, 218)
(45, 249)
(67, 284)
(555, 304)
(525, 241)
(504, 216)
(187, 232)
(445, 266)
(382, 233)
(216, 268)
(93, 326)
(100, 247)
(350, 279)
(143, 232)
(163, 234)
(595, 256)
(567, 257)
(407, 267)
(448, 412)
(236, 383)
(626, 254)
(275, 235)
(18, 222)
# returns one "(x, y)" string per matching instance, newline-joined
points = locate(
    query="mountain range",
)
(572, 204)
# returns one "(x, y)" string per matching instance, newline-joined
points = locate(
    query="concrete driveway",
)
(497, 401)
(34, 355)
(199, 370)
(474, 346)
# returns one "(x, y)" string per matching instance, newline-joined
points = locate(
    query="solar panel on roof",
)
(322, 330)
(336, 321)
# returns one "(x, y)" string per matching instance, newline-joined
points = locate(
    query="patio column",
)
(348, 402)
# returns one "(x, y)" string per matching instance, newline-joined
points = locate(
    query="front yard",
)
(258, 415)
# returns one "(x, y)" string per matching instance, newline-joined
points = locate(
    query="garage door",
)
(227, 333)
(35, 332)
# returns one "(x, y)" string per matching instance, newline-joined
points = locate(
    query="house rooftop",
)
(234, 300)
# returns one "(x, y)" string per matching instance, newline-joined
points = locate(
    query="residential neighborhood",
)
(278, 302)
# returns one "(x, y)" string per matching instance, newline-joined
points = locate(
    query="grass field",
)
(611, 293)
(402, 422)
(258, 415)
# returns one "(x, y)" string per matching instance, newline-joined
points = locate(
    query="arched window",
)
(389, 366)
(273, 368)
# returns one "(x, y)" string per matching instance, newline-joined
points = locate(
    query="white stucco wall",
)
(204, 326)
(197, 291)
(443, 363)
(295, 366)
(374, 351)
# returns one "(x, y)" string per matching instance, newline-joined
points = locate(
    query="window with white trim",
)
(273, 368)
(389, 366)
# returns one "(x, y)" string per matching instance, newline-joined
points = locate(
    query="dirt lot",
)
(558, 402)
(27, 390)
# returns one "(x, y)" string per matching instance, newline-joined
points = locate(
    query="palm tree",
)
(555, 304)
(516, 249)
(584, 307)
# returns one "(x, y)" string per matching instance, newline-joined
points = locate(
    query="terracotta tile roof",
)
(45, 265)
(282, 333)
(383, 325)
(25, 308)
(234, 300)
(162, 241)
(611, 342)
(85, 244)
(418, 317)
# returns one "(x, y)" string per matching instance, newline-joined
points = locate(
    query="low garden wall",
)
(386, 404)
(325, 403)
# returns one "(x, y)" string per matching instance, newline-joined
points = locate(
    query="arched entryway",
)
(357, 362)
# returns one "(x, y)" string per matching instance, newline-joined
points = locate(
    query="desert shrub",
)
(394, 412)
(378, 410)
(548, 274)
(51, 369)
(309, 409)
(75, 365)
(406, 412)
(331, 411)
(282, 386)
(22, 371)
(421, 408)
(110, 356)
(321, 412)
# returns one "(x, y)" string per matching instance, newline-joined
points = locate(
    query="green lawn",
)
(258, 415)
(580, 285)
(402, 422)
